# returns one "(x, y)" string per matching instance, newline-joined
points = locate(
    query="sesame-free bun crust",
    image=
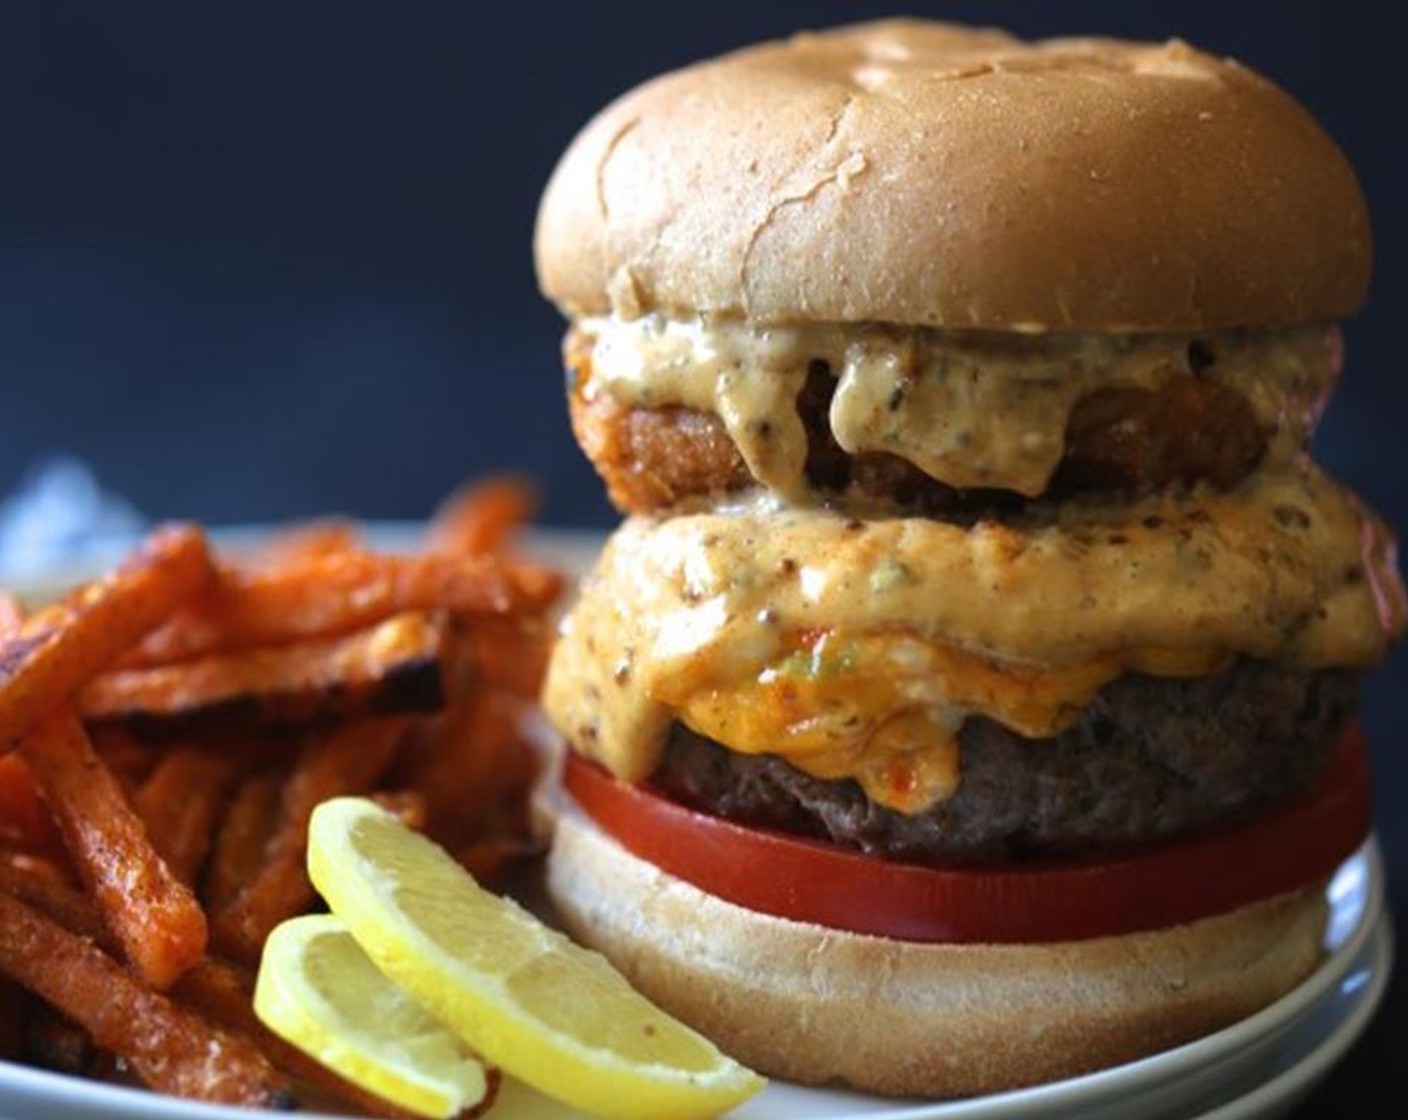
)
(821, 1006)
(922, 173)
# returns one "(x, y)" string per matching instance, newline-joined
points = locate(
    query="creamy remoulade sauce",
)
(970, 409)
(858, 648)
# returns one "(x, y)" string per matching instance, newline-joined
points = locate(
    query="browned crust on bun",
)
(923, 173)
(821, 1006)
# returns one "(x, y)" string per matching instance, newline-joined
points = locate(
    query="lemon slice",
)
(318, 991)
(527, 999)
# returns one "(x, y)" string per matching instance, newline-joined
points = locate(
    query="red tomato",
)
(1030, 901)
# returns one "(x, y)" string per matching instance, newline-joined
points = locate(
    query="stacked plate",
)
(1258, 1068)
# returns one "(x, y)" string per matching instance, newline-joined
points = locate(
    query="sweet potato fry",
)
(38, 885)
(60, 648)
(472, 764)
(391, 667)
(181, 801)
(155, 917)
(24, 821)
(339, 593)
(130, 759)
(222, 991)
(51, 867)
(483, 516)
(244, 833)
(348, 760)
(171, 1049)
(397, 676)
(293, 544)
(511, 653)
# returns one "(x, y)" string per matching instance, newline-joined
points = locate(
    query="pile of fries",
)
(165, 733)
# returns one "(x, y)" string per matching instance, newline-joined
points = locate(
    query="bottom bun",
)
(818, 1006)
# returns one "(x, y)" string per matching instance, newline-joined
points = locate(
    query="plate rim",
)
(574, 547)
(1292, 1084)
(95, 1099)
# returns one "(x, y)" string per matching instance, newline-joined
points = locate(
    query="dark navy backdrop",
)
(263, 260)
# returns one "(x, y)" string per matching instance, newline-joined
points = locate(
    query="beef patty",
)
(1149, 759)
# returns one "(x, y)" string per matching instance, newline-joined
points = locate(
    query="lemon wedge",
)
(319, 992)
(528, 1000)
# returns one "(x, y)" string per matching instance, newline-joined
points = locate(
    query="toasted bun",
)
(815, 1005)
(928, 174)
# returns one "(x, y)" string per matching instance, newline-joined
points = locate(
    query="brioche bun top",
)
(928, 174)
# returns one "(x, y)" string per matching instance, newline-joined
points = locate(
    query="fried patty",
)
(1149, 759)
(1127, 441)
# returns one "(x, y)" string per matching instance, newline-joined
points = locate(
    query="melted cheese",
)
(886, 708)
(969, 409)
(858, 648)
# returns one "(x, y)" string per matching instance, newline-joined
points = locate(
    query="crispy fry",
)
(41, 886)
(155, 917)
(472, 764)
(222, 991)
(171, 1049)
(346, 761)
(292, 544)
(24, 821)
(181, 801)
(244, 833)
(397, 676)
(482, 517)
(392, 667)
(57, 650)
(24, 824)
(51, 1040)
(129, 758)
(51, 867)
(339, 593)
(511, 654)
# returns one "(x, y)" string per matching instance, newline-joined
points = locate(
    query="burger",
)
(966, 700)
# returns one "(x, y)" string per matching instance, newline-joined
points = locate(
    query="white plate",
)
(1323, 1039)
(1253, 1070)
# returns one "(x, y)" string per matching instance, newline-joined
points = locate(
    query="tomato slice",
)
(1031, 901)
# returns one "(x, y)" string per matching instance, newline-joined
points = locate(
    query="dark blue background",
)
(269, 260)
